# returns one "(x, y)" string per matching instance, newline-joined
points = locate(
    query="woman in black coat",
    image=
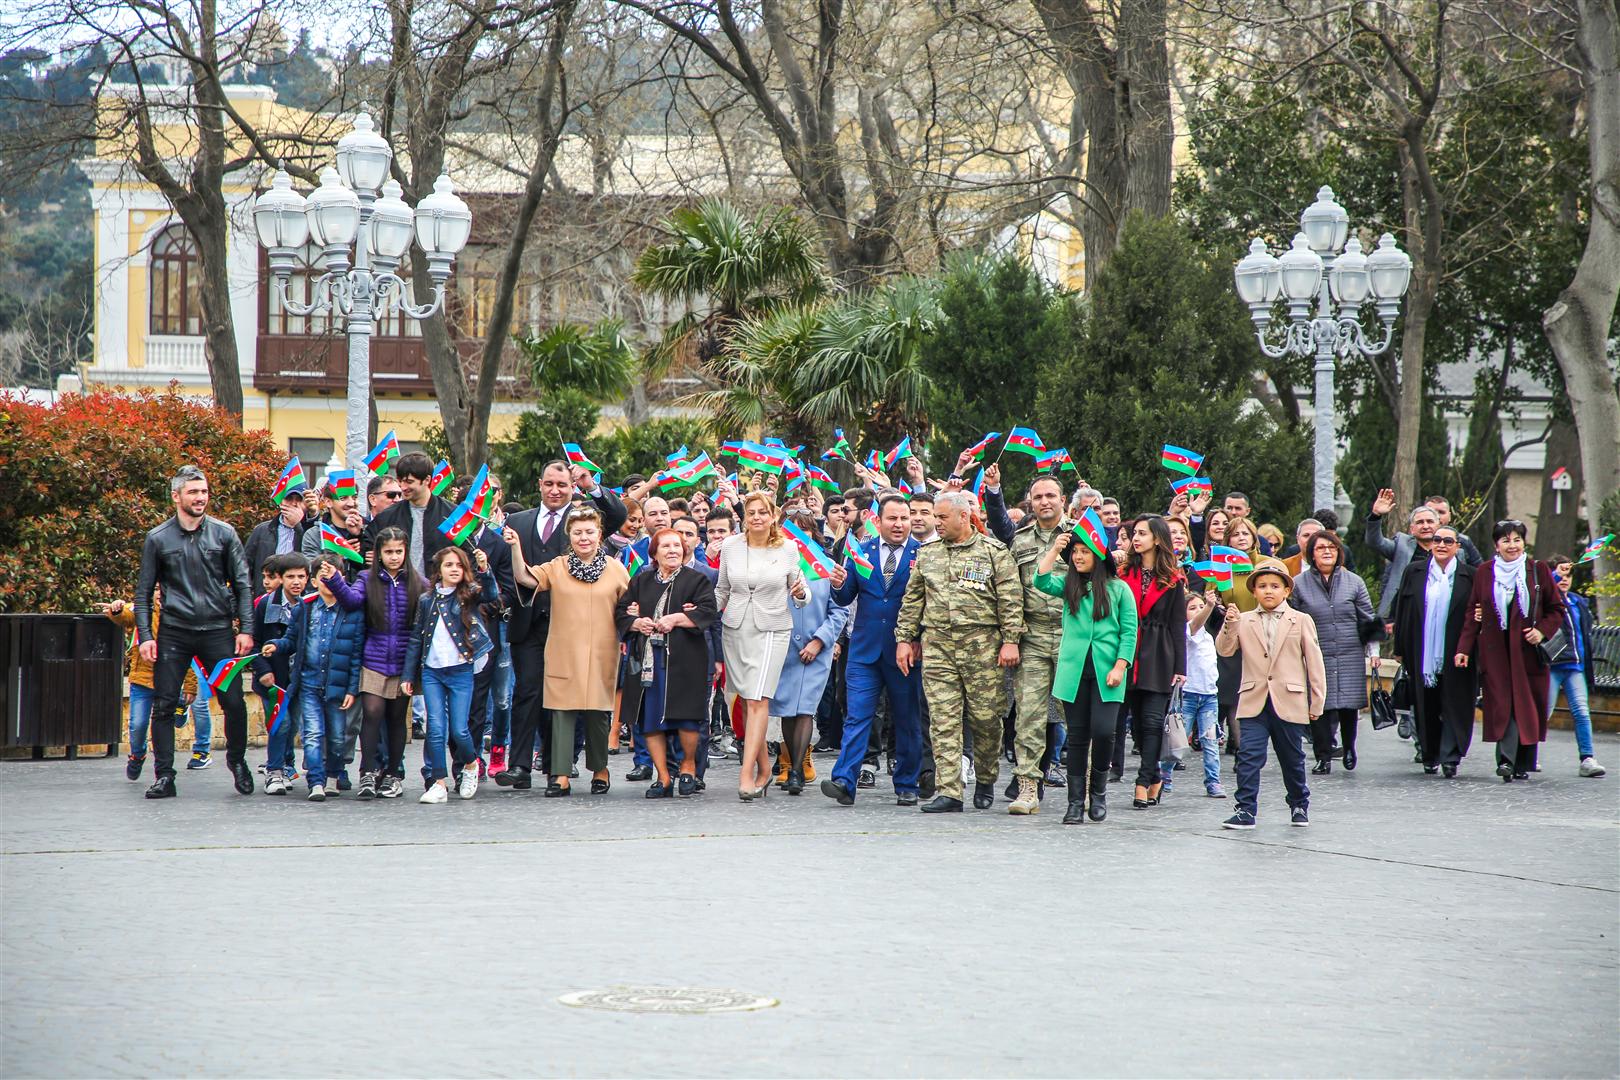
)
(1442, 693)
(662, 618)
(1155, 580)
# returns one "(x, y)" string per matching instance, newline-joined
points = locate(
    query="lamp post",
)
(357, 210)
(1324, 266)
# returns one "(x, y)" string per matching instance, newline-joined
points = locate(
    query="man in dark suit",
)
(872, 668)
(543, 535)
(419, 513)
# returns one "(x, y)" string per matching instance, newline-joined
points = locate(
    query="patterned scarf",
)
(587, 572)
(1507, 583)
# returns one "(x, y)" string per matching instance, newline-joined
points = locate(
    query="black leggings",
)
(1322, 731)
(1147, 719)
(1091, 724)
(374, 713)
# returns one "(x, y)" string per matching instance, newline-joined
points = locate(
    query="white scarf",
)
(1436, 606)
(1508, 579)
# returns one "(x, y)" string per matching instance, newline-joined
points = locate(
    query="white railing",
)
(177, 354)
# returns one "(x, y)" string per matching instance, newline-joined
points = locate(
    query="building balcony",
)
(319, 364)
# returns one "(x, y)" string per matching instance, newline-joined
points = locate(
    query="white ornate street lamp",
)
(1322, 265)
(357, 202)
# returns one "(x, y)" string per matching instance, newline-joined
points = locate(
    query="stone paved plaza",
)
(1420, 927)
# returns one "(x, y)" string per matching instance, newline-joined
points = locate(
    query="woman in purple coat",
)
(388, 592)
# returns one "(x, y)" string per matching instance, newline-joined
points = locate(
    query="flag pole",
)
(1005, 440)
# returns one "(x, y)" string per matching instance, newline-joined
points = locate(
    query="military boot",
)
(1028, 801)
(984, 796)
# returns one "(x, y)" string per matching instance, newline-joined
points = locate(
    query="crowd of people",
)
(927, 628)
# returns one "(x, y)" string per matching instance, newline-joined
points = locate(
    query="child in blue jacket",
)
(323, 642)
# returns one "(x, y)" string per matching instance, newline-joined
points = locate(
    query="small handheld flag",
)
(820, 479)
(460, 524)
(341, 483)
(863, 565)
(204, 692)
(384, 454)
(978, 485)
(1217, 574)
(841, 450)
(633, 560)
(1595, 548)
(1090, 529)
(901, 451)
(443, 476)
(1236, 559)
(678, 458)
(690, 472)
(278, 715)
(1181, 460)
(769, 459)
(905, 489)
(1054, 461)
(874, 461)
(225, 672)
(336, 542)
(812, 559)
(976, 451)
(291, 477)
(1023, 440)
(1192, 486)
(576, 456)
(730, 448)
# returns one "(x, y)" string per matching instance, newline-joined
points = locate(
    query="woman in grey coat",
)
(1337, 601)
(816, 627)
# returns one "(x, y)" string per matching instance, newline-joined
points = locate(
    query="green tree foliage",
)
(1163, 355)
(642, 449)
(1002, 325)
(596, 360)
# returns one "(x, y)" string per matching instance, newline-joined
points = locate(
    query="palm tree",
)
(865, 364)
(743, 267)
(595, 360)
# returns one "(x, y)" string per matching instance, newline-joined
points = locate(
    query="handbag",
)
(1380, 705)
(1557, 648)
(1175, 731)
(1403, 701)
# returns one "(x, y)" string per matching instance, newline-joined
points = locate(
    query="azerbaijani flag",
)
(633, 560)
(1233, 558)
(905, 489)
(292, 476)
(443, 476)
(279, 714)
(576, 456)
(863, 565)
(730, 448)
(1091, 530)
(384, 454)
(841, 450)
(690, 472)
(203, 690)
(225, 672)
(819, 478)
(772, 440)
(1181, 460)
(461, 524)
(1023, 440)
(1594, 549)
(762, 458)
(793, 474)
(812, 559)
(976, 451)
(678, 458)
(1054, 461)
(874, 461)
(1217, 574)
(868, 528)
(1192, 486)
(901, 450)
(665, 481)
(341, 482)
(978, 486)
(332, 540)
(481, 493)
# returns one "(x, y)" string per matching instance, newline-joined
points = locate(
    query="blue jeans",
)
(278, 754)
(140, 718)
(202, 722)
(500, 700)
(1199, 712)
(447, 693)
(1572, 680)
(321, 723)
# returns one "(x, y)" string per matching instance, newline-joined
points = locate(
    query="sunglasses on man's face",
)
(393, 494)
(1448, 541)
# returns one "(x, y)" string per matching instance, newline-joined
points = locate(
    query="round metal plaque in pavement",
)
(666, 999)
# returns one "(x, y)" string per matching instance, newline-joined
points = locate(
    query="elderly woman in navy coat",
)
(809, 661)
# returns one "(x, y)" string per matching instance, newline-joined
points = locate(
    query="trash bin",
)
(64, 680)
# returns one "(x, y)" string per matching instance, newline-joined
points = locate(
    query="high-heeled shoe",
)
(1139, 798)
(749, 795)
(1155, 793)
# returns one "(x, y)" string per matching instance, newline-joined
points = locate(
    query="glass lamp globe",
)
(1301, 270)
(278, 214)
(443, 222)
(363, 157)
(333, 212)
(1325, 223)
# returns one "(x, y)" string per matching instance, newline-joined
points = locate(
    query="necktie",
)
(889, 562)
(550, 526)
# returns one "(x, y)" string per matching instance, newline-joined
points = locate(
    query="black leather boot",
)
(984, 796)
(1076, 814)
(1099, 794)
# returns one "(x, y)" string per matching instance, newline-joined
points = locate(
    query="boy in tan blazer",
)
(1284, 687)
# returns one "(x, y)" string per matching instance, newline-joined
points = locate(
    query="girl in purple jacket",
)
(388, 592)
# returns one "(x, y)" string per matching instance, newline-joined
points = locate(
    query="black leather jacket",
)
(204, 575)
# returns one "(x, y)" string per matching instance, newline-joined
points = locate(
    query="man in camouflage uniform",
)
(1038, 649)
(964, 602)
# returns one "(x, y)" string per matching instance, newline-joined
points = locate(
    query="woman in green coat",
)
(1099, 643)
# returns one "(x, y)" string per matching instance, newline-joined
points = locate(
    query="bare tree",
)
(1579, 325)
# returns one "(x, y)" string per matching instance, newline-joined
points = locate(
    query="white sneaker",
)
(969, 777)
(437, 792)
(316, 794)
(332, 789)
(275, 784)
(1590, 767)
(469, 782)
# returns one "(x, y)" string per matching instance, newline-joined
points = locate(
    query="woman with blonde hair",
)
(1243, 535)
(582, 651)
(759, 576)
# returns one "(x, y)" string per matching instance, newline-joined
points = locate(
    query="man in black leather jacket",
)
(207, 613)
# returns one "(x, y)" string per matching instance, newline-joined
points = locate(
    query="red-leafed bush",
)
(82, 481)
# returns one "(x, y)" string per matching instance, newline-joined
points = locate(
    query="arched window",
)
(175, 276)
